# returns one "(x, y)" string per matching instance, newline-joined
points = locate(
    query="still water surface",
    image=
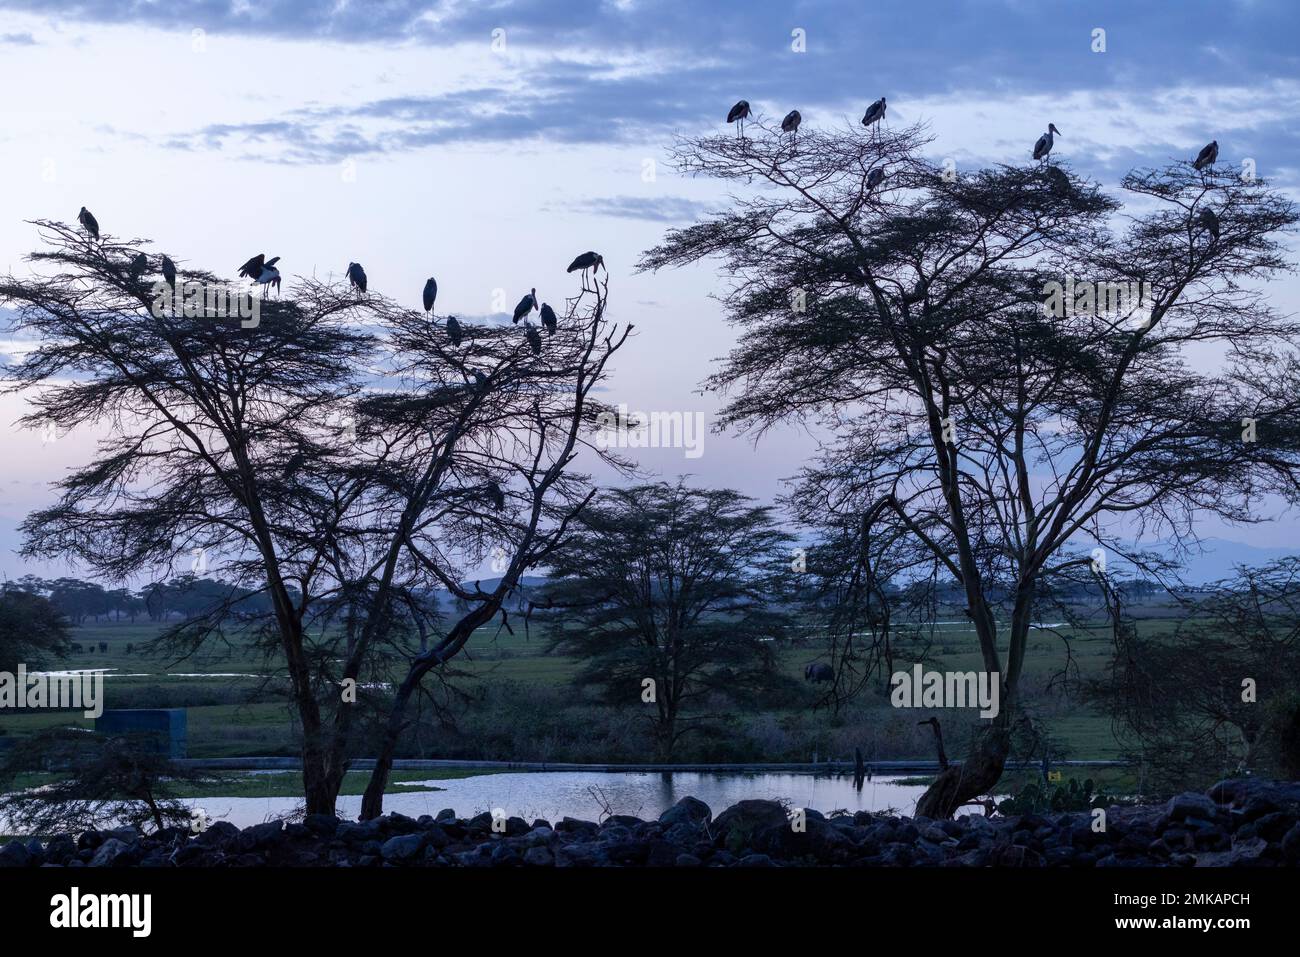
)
(585, 794)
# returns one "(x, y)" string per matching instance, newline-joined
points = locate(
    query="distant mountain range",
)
(1219, 560)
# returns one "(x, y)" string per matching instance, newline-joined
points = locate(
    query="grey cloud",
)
(656, 209)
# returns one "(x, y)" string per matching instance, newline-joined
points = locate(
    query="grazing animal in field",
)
(818, 672)
(103, 646)
(76, 648)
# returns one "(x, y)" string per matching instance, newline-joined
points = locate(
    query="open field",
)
(522, 704)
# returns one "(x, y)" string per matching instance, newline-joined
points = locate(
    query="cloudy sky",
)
(486, 143)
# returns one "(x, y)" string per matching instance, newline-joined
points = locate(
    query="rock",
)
(1273, 826)
(1190, 804)
(61, 849)
(1238, 792)
(446, 816)
(14, 854)
(1291, 844)
(756, 860)
(218, 833)
(685, 833)
(662, 854)
(539, 837)
(818, 840)
(321, 823)
(261, 836)
(403, 848)
(687, 860)
(578, 855)
(569, 825)
(112, 853)
(539, 856)
(737, 826)
(353, 832)
(688, 810)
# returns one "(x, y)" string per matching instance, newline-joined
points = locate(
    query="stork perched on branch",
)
(1208, 156)
(526, 305)
(737, 115)
(263, 272)
(1043, 146)
(1209, 221)
(588, 261)
(549, 320)
(88, 222)
(875, 112)
(791, 123)
(357, 276)
(430, 294)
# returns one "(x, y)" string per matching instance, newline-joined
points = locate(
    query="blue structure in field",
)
(165, 727)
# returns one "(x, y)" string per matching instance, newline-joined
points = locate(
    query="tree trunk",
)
(372, 802)
(977, 775)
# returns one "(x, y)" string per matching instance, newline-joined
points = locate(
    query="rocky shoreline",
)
(1237, 823)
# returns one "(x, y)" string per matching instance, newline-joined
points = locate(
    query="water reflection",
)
(587, 794)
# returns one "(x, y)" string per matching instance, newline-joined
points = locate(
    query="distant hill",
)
(1218, 558)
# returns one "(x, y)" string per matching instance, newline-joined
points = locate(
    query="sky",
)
(488, 143)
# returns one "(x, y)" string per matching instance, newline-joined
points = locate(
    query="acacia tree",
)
(1218, 695)
(977, 438)
(481, 470)
(308, 453)
(31, 627)
(676, 585)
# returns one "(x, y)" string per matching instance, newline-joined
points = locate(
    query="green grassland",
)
(522, 703)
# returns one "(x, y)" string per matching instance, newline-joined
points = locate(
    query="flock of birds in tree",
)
(1207, 157)
(263, 272)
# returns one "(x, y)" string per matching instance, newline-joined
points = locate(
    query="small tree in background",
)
(1218, 696)
(30, 628)
(669, 595)
(98, 781)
